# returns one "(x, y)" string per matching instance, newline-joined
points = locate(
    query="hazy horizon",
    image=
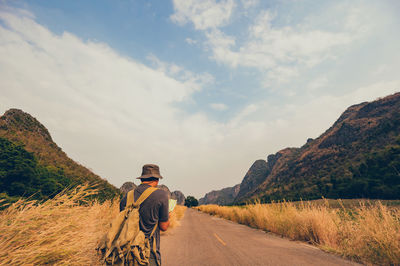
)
(203, 89)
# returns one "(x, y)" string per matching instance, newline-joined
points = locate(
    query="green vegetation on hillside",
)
(376, 176)
(21, 175)
(33, 164)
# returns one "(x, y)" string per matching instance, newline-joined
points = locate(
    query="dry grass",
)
(61, 231)
(367, 233)
(176, 215)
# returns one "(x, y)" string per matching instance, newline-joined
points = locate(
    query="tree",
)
(191, 201)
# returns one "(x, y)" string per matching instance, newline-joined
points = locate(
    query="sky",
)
(201, 88)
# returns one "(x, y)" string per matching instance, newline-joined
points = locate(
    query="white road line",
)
(219, 239)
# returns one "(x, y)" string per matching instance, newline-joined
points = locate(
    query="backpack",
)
(125, 243)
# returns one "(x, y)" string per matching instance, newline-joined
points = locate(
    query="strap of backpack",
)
(154, 229)
(154, 244)
(144, 196)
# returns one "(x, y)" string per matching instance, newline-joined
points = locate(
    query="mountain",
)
(254, 177)
(126, 187)
(165, 188)
(357, 157)
(225, 196)
(32, 164)
(177, 195)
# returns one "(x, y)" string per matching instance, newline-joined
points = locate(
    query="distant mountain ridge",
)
(21, 132)
(225, 196)
(178, 196)
(126, 187)
(358, 156)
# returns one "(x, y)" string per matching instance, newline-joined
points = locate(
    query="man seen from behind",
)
(153, 211)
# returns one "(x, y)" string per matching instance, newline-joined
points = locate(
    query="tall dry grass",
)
(367, 233)
(62, 231)
(176, 215)
(59, 231)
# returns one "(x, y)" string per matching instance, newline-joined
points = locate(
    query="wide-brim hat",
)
(149, 171)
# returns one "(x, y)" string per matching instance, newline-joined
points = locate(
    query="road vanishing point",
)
(202, 239)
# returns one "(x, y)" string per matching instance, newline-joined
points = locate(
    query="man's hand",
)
(163, 225)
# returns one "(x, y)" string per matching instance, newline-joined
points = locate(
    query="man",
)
(153, 211)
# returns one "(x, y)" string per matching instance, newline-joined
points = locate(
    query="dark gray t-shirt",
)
(153, 210)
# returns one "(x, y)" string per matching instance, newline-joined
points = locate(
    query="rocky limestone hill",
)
(126, 187)
(357, 157)
(177, 195)
(254, 177)
(225, 196)
(48, 163)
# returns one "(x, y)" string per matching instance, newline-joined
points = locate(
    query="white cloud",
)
(280, 75)
(203, 14)
(318, 83)
(221, 45)
(219, 106)
(278, 50)
(380, 70)
(247, 111)
(190, 41)
(191, 80)
(249, 3)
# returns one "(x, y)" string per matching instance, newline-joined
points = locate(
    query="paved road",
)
(202, 239)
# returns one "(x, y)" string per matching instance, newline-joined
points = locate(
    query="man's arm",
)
(163, 214)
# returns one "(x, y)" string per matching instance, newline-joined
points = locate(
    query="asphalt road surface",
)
(202, 239)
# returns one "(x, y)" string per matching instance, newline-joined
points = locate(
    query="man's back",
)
(152, 211)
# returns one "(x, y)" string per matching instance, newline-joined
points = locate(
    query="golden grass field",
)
(60, 231)
(367, 233)
(176, 215)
